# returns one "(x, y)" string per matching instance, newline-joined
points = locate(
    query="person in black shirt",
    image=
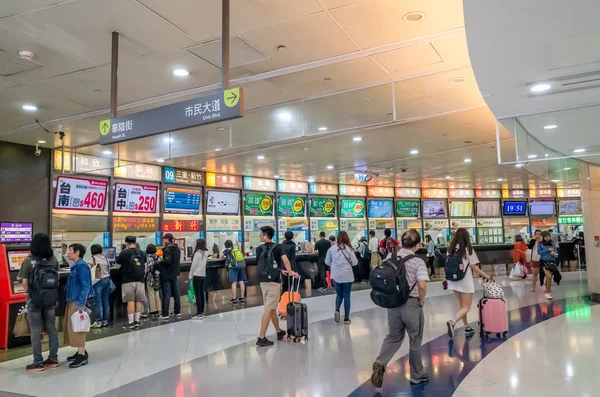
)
(270, 286)
(132, 264)
(322, 246)
(289, 249)
(169, 271)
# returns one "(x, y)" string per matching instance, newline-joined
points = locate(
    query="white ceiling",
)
(355, 67)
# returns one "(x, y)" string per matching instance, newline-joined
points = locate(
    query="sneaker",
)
(198, 316)
(234, 300)
(134, 325)
(79, 361)
(336, 317)
(143, 315)
(469, 330)
(96, 324)
(549, 297)
(451, 324)
(421, 379)
(164, 318)
(347, 321)
(281, 334)
(242, 300)
(74, 356)
(445, 285)
(35, 367)
(263, 342)
(105, 324)
(177, 315)
(377, 375)
(50, 364)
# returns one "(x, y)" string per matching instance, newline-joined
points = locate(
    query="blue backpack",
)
(454, 267)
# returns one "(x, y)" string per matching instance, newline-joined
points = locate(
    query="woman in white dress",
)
(464, 289)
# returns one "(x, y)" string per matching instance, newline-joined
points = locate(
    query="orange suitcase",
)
(287, 298)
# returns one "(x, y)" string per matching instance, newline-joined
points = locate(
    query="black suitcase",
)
(297, 316)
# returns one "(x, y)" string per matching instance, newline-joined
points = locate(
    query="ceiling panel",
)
(240, 52)
(408, 58)
(330, 4)
(10, 7)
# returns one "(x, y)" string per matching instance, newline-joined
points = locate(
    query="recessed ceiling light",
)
(107, 152)
(330, 167)
(555, 180)
(311, 179)
(414, 151)
(566, 169)
(546, 155)
(305, 149)
(276, 176)
(160, 161)
(30, 108)
(579, 150)
(203, 168)
(217, 149)
(414, 16)
(281, 48)
(467, 160)
(532, 156)
(181, 72)
(168, 139)
(363, 100)
(457, 80)
(260, 157)
(284, 116)
(448, 177)
(541, 87)
(550, 126)
(499, 179)
(518, 165)
(357, 139)
(41, 142)
(322, 128)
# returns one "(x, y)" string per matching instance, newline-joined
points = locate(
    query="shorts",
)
(535, 264)
(236, 274)
(133, 292)
(270, 292)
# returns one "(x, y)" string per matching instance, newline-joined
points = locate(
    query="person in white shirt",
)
(198, 277)
(465, 288)
(374, 248)
(407, 318)
(341, 258)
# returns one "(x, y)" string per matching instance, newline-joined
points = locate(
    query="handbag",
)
(21, 327)
(491, 289)
(111, 287)
(517, 271)
(80, 322)
(191, 294)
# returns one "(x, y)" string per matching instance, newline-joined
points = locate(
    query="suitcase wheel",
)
(505, 334)
(295, 340)
(498, 335)
(487, 335)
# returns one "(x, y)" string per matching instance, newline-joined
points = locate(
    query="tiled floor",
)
(217, 357)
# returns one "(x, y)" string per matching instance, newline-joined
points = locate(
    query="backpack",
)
(365, 252)
(237, 259)
(153, 272)
(43, 284)
(389, 284)
(389, 247)
(267, 266)
(454, 268)
(136, 267)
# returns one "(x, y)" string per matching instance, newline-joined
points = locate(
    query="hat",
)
(168, 236)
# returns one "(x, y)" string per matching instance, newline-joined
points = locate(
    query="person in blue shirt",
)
(79, 290)
(548, 255)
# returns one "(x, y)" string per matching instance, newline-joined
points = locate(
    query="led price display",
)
(515, 208)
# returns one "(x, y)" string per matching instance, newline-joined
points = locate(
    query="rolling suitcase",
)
(493, 317)
(297, 316)
(286, 298)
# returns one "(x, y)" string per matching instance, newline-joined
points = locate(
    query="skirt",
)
(75, 339)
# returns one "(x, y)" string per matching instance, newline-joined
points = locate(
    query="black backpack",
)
(136, 268)
(389, 284)
(43, 284)
(454, 267)
(267, 266)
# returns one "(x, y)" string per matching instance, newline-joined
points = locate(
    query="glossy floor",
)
(217, 357)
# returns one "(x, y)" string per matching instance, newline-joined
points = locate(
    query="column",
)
(590, 200)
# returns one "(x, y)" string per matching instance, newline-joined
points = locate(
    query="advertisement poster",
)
(292, 206)
(570, 207)
(183, 201)
(381, 224)
(407, 209)
(353, 224)
(258, 205)
(436, 224)
(135, 198)
(352, 209)
(323, 224)
(434, 209)
(254, 225)
(405, 224)
(80, 194)
(296, 224)
(222, 203)
(322, 207)
(461, 208)
(381, 208)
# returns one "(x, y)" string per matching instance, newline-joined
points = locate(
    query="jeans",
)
(343, 293)
(35, 316)
(101, 295)
(200, 292)
(170, 289)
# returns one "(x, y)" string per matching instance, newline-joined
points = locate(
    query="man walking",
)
(322, 246)
(132, 263)
(407, 318)
(169, 271)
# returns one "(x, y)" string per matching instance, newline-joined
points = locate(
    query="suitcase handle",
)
(291, 283)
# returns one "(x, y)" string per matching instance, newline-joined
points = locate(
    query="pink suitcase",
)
(493, 317)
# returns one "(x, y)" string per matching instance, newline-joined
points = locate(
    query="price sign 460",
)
(146, 204)
(93, 201)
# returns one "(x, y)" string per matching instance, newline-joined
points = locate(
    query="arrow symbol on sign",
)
(104, 127)
(233, 97)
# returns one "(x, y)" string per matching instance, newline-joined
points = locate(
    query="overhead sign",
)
(378, 191)
(568, 193)
(181, 176)
(542, 193)
(182, 225)
(353, 190)
(126, 224)
(82, 163)
(143, 172)
(258, 205)
(461, 193)
(407, 208)
(223, 223)
(363, 177)
(135, 198)
(352, 209)
(435, 193)
(488, 194)
(323, 188)
(222, 180)
(408, 192)
(80, 194)
(213, 108)
(292, 187)
(322, 207)
(291, 206)
(12, 232)
(570, 220)
(259, 184)
(515, 193)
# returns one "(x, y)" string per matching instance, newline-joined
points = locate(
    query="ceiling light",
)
(284, 116)
(566, 169)
(281, 48)
(217, 149)
(467, 160)
(414, 151)
(414, 16)
(305, 149)
(448, 177)
(457, 80)
(41, 142)
(276, 176)
(555, 180)
(107, 152)
(499, 179)
(26, 55)
(532, 156)
(330, 167)
(260, 157)
(550, 126)
(29, 107)
(181, 72)
(203, 168)
(540, 87)
(160, 161)
(168, 139)
(546, 155)
(357, 139)
(322, 128)
(579, 150)
(518, 165)
(311, 179)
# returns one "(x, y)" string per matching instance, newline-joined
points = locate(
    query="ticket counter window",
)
(323, 217)
(69, 227)
(215, 241)
(291, 211)
(258, 212)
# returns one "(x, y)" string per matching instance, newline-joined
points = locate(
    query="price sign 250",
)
(146, 204)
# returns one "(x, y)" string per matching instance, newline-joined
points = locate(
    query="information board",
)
(182, 201)
(569, 207)
(16, 232)
(222, 203)
(407, 208)
(321, 207)
(291, 206)
(461, 208)
(434, 209)
(258, 205)
(80, 194)
(541, 207)
(488, 208)
(135, 198)
(352, 208)
(514, 208)
(381, 209)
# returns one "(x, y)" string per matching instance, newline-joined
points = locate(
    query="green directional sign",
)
(221, 106)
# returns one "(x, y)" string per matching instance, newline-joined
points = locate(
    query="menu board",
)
(16, 232)
(258, 205)
(488, 208)
(461, 208)
(291, 206)
(541, 207)
(407, 208)
(222, 203)
(321, 207)
(434, 209)
(569, 207)
(352, 208)
(183, 201)
(80, 194)
(16, 258)
(135, 198)
(516, 208)
(381, 209)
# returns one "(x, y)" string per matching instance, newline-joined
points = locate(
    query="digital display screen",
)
(541, 207)
(183, 201)
(110, 253)
(222, 203)
(488, 208)
(380, 208)
(515, 208)
(570, 207)
(434, 209)
(16, 232)
(15, 258)
(461, 209)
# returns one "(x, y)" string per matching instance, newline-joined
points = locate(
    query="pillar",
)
(590, 200)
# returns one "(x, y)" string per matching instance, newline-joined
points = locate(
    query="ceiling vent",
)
(12, 64)
(572, 83)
